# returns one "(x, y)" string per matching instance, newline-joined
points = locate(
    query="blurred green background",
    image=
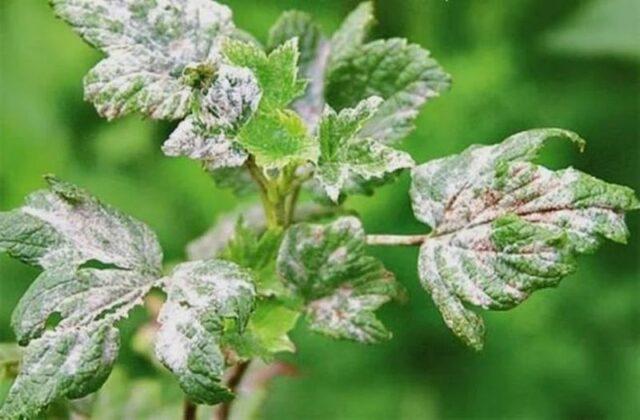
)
(573, 352)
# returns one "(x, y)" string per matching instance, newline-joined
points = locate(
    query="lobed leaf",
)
(276, 72)
(205, 300)
(348, 160)
(403, 74)
(98, 263)
(314, 54)
(327, 267)
(277, 139)
(504, 227)
(148, 44)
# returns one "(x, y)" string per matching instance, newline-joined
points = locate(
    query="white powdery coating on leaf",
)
(326, 265)
(93, 231)
(504, 227)
(148, 46)
(209, 135)
(348, 159)
(201, 295)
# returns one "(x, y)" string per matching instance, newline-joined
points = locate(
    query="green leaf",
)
(403, 74)
(209, 134)
(314, 54)
(98, 263)
(276, 73)
(149, 45)
(205, 301)
(327, 267)
(277, 139)
(352, 33)
(257, 251)
(504, 227)
(10, 358)
(297, 25)
(348, 161)
(599, 28)
(266, 333)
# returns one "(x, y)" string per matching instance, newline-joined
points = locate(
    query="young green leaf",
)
(327, 267)
(348, 161)
(504, 227)
(275, 136)
(276, 73)
(98, 263)
(257, 251)
(314, 54)
(403, 74)
(205, 301)
(208, 135)
(278, 138)
(150, 47)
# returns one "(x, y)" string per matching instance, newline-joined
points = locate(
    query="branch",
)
(189, 411)
(232, 383)
(392, 240)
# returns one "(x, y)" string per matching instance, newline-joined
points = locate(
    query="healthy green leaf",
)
(208, 135)
(98, 263)
(327, 267)
(257, 251)
(276, 72)
(504, 227)
(278, 138)
(150, 45)
(314, 54)
(403, 74)
(347, 159)
(275, 136)
(205, 300)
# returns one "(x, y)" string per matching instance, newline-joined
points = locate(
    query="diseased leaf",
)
(327, 267)
(208, 135)
(149, 44)
(314, 54)
(205, 300)
(98, 263)
(504, 227)
(403, 74)
(67, 226)
(348, 161)
(352, 33)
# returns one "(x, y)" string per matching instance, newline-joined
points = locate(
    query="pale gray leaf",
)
(327, 267)
(201, 297)
(504, 227)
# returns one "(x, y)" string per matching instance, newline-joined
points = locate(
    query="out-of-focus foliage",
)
(600, 27)
(570, 353)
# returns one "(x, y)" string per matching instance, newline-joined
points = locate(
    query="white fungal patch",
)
(504, 227)
(348, 159)
(148, 45)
